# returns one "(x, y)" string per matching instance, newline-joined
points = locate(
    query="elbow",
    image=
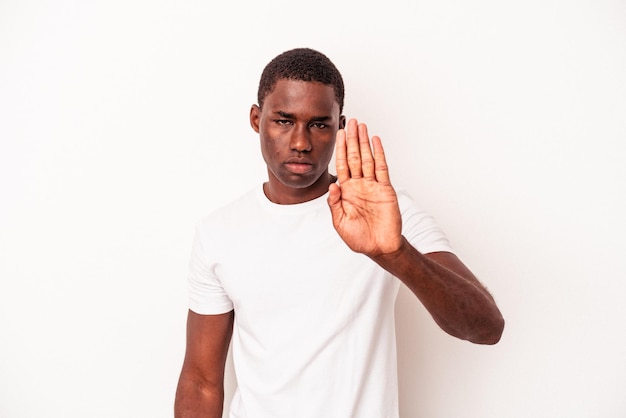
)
(485, 331)
(489, 332)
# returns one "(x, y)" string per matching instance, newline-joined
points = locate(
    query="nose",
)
(300, 140)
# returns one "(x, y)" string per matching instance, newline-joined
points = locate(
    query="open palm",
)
(364, 205)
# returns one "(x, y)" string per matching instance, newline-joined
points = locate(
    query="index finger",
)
(341, 162)
(353, 150)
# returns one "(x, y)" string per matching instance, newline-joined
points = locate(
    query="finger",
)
(367, 160)
(381, 170)
(334, 203)
(341, 163)
(353, 152)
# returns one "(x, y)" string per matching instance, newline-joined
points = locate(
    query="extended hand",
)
(364, 205)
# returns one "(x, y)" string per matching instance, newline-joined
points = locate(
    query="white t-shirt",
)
(314, 332)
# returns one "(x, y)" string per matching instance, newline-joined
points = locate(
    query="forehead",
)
(293, 96)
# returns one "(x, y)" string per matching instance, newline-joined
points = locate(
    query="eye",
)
(283, 122)
(319, 125)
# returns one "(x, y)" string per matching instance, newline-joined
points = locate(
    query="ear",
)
(342, 121)
(255, 117)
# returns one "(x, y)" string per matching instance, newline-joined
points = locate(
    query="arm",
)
(366, 215)
(200, 391)
(457, 301)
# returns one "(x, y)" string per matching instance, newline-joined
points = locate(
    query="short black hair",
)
(302, 64)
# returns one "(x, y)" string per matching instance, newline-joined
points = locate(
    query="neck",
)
(281, 194)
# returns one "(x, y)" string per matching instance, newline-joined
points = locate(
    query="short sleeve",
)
(420, 228)
(206, 294)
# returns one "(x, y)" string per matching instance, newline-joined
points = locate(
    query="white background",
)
(124, 122)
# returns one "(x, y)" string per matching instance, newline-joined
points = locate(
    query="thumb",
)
(334, 200)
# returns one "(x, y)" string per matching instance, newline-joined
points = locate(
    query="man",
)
(303, 272)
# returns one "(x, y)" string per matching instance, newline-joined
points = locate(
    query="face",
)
(297, 128)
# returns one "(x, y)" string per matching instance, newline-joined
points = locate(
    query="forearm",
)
(195, 400)
(459, 304)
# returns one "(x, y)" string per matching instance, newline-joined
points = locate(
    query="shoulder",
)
(419, 226)
(403, 195)
(232, 213)
(406, 200)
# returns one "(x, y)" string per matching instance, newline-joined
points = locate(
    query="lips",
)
(299, 165)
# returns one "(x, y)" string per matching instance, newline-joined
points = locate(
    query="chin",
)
(298, 184)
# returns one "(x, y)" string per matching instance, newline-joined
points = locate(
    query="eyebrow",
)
(287, 115)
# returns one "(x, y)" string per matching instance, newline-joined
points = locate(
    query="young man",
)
(303, 272)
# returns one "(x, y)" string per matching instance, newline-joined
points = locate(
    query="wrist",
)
(395, 253)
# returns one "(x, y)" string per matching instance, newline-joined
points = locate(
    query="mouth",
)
(298, 165)
(298, 168)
